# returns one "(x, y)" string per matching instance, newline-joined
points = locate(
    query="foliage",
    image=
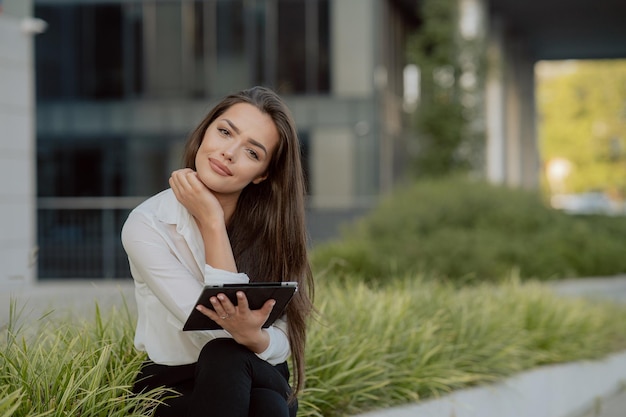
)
(582, 109)
(372, 346)
(464, 230)
(448, 110)
(413, 339)
(53, 368)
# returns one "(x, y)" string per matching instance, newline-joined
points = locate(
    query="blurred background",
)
(97, 98)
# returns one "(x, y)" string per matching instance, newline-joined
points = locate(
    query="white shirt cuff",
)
(214, 276)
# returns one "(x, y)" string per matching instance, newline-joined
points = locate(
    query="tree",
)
(447, 115)
(582, 118)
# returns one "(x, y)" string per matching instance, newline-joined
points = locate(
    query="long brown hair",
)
(267, 230)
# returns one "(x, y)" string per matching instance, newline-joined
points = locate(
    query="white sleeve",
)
(214, 276)
(154, 264)
(278, 350)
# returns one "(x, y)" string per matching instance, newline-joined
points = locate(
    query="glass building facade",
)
(167, 49)
(120, 84)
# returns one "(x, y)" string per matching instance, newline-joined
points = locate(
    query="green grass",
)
(378, 346)
(372, 346)
(61, 367)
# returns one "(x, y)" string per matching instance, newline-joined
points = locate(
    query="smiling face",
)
(236, 149)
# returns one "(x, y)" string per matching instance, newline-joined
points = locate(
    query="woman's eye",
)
(253, 153)
(224, 132)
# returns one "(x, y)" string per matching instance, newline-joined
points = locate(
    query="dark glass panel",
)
(134, 49)
(80, 55)
(55, 53)
(198, 87)
(80, 168)
(99, 44)
(74, 243)
(323, 58)
(231, 60)
(291, 70)
(256, 43)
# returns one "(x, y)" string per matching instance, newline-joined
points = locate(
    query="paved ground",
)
(611, 288)
(607, 288)
(64, 298)
(614, 406)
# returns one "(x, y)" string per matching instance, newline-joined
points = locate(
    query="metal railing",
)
(80, 237)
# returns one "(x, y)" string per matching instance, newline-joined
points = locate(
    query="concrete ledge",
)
(567, 390)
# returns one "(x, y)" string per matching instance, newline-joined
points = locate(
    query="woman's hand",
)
(243, 324)
(209, 215)
(196, 197)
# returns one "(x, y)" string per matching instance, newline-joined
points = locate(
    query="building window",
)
(85, 167)
(230, 60)
(302, 46)
(81, 55)
(181, 49)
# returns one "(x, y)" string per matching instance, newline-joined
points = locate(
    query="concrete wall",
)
(333, 160)
(17, 153)
(352, 52)
(565, 390)
(512, 156)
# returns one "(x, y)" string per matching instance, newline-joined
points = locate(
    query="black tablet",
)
(257, 294)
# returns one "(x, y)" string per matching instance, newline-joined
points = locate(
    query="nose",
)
(228, 154)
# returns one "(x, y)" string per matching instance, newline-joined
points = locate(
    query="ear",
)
(260, 179)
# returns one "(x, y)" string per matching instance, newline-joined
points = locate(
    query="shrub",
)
(466, 231)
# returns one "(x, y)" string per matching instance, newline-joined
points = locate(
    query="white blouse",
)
(166, 256)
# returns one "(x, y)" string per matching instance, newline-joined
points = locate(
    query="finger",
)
(242, 302)
(212, 314)
(180, 175)
(268, 307)
(182, 171)
(194, 182)
(226, 304)
(181, 178)
(174, 181)
(208, 312)
(176, 188)
(218, 307)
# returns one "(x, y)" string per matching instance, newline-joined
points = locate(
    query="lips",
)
(220, 168)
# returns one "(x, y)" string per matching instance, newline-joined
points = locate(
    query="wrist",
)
(259, 342)
(211, 226)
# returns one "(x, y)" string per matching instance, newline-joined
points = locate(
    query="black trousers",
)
(227, 381)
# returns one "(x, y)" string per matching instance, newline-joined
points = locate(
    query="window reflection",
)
(181, 49)
(230, 60)
(292, 49)
(81, 56)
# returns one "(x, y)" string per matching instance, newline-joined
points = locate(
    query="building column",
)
(512, 152)
(17, 148)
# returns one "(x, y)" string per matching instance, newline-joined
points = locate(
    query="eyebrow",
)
(250, 140)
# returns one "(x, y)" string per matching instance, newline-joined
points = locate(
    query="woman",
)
(235, 213)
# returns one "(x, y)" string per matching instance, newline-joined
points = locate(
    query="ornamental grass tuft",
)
(413, 339)
(53, 366)
(371, 346)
